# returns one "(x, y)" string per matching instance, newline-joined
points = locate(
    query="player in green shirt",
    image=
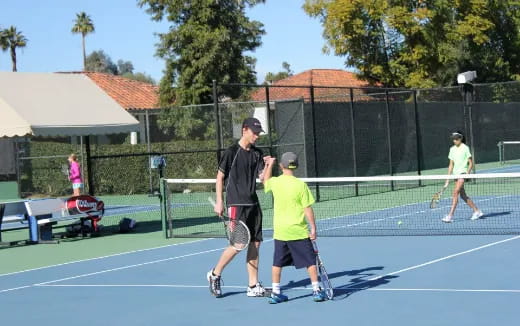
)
(460, 163)
(292, 237)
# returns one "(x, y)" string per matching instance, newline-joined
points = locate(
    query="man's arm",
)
(219, 189)
(309, 215)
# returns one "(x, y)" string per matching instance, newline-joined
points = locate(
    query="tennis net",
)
(363, 206)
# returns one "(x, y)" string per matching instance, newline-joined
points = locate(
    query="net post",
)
(163, 204)
(314, 142)
(469, 90)
(217, 119)
(389, 137)
(418, 139)
(353, 138)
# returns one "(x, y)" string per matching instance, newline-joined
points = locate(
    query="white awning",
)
(48, 104)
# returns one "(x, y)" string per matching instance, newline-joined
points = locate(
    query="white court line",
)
(447, 290)
(213, 250)
(17, 288)
(130, 266)
(185, 286)
(435, 261)
(103, 257)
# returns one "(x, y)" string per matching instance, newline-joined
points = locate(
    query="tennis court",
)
(468, 280)
(406, 280)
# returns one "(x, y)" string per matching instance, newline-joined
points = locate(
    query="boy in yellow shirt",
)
(292, 237)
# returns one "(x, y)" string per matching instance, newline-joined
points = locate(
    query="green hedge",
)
(118, 175)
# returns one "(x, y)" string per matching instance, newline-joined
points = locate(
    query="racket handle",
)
(314, 246)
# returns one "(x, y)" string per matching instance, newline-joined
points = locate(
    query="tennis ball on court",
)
(399, 222)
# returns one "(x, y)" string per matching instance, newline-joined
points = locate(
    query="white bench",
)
(38, 216)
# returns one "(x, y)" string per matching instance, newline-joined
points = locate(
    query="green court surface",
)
(8, 190)
(20, 258)
(148, 234)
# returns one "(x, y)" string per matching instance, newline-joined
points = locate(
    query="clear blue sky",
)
(125, 31)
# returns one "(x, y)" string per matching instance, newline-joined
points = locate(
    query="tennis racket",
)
(437, 197)
(237, 231)
(324, 277)
(65, 169)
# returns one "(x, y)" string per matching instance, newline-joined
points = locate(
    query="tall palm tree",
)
(83, 25)
(15, 39)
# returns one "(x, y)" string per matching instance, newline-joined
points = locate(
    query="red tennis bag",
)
(90, 206)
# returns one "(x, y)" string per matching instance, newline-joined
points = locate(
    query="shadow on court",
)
(358, 283)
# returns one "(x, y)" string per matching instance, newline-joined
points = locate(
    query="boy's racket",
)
(437, 197)
(237, 231)
(324, 277)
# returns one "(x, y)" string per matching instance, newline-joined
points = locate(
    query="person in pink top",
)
(75, 175)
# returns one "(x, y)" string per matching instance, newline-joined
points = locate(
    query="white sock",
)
(315, 286)
(276, 288)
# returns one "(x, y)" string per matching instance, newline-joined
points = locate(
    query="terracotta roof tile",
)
(313, 77)
(130, 94)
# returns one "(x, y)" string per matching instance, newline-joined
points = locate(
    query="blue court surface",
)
(443, 280)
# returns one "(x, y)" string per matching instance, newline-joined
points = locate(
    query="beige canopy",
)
(49, 104)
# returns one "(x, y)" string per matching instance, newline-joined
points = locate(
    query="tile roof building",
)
(327, 78)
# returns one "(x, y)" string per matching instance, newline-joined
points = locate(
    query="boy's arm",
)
(268, 170)
(309, 215)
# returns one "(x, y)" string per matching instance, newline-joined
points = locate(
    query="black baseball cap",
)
(289, 160)
(253, 124)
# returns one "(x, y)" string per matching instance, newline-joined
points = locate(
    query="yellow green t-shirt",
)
(291, 197)
(460, 156)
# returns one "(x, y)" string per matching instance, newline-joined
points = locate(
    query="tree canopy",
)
(207, 40)
(286, 72)
(418, 43)
(99, 61)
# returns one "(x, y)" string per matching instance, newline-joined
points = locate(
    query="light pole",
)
(465, 80)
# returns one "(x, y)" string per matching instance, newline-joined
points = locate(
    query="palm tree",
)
(3, 41)
(15, 39)
(83, 25)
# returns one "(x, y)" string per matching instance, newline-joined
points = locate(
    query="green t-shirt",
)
(291, 196)
(460, 156)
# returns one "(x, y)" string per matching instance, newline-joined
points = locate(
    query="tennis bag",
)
(127, 225)
(90, 207)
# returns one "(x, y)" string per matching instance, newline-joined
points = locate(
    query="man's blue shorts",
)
(299, 253)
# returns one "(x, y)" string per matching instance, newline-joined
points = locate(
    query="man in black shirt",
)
(239, 167)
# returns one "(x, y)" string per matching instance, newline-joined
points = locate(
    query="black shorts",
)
(252, 216)
(299, 253)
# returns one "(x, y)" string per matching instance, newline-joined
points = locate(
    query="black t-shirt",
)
(241, 168)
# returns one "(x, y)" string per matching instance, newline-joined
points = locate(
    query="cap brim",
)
(256, 129)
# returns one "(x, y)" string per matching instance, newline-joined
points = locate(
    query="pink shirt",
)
(75, 173)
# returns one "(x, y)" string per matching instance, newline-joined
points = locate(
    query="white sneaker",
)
(257, 291)
(447, 219)
(476, 215)
(214, 284)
